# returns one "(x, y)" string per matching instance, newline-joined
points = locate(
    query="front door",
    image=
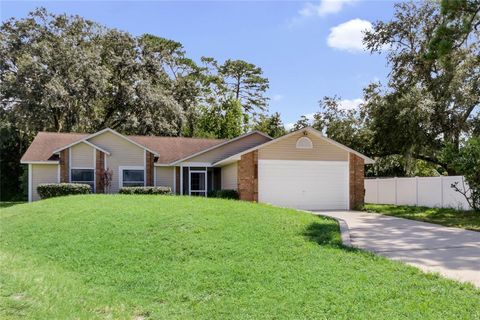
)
(198, 183)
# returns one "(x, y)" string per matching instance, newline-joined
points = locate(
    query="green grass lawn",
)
(444, 216)
(6, 204)
(164, 257)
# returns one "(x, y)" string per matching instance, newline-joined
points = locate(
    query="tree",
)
(467, 161)
(301, 123)
(66, 73)
(246, 83)
(433, 102)
(460, 18)
(344, 126)
(164, 58)
(223, 121)
(271, 125)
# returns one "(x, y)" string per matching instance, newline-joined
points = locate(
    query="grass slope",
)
(444, 216)
(161, 257)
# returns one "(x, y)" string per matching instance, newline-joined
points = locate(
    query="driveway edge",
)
(344, 230)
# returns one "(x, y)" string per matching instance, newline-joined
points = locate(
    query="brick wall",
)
(149, 168)
(99, 170)
(357, 188)
(248, 176)
(64, 165)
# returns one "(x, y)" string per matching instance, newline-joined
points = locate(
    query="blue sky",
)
(306, 49)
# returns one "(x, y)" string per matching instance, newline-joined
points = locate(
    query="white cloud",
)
(349, 35)
(323, 8)
(289, 126)
(277, 97)
(349, 104)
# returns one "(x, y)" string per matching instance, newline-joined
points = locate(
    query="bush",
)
(466, 161)
(145, 190)
(50, 190)
(224, 194)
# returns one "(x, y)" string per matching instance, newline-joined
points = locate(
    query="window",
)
(86, 176)
(133, 177)
(304, 143)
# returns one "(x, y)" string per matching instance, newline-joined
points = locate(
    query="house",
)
(302, 169)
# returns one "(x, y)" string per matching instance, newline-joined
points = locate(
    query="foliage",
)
(460, 18)
(221, 121)
(12, 144)
(467, 161)
(50, 190)
(124, 257)
(301, 123)
(68, 74)
(224, 194)
(246, 83)
(145, 190)
(271, 125)
(433, 102)
(106, 177)
(430, 100)
(444, 216)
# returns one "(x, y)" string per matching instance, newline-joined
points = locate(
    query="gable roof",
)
(45, 143)
(221, 145)
(85, 140)
(309, 129)
(171, 149)
(168, 149)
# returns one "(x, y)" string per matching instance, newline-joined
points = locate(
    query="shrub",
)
(50, 190)
(224, 194)
(466, 161)
(145, 190)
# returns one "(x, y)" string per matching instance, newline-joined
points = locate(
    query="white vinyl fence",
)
(416, 191)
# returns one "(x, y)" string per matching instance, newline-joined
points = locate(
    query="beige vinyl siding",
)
(164, 177)
(229, 176)
(122, 153)
(82, 156)
(43, 173)
(285, 149)
(230, 149)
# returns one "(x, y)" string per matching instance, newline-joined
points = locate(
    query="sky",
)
(307, 50)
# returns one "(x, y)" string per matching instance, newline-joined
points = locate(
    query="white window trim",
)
(174, 181)
(190, 182)
(30, 186)
(307, 139)
(196, 164)
(69, 165)
(83, 168)
(120, 173)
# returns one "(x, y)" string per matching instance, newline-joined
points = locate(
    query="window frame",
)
(94, 181)
(304, 143)
(123, 168)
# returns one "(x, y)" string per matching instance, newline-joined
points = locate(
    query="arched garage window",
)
(304, 143)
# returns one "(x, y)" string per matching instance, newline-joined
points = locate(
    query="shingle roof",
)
(169, 148)
(174, 148)
(45, 143)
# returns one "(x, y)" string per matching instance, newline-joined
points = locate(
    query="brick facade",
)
(357, 188)
(248, 176)
(99, 171)
(149, 168)
(64, 166)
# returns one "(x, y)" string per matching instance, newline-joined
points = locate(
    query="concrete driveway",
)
(452, 252)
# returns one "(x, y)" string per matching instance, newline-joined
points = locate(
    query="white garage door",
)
(303, 184)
